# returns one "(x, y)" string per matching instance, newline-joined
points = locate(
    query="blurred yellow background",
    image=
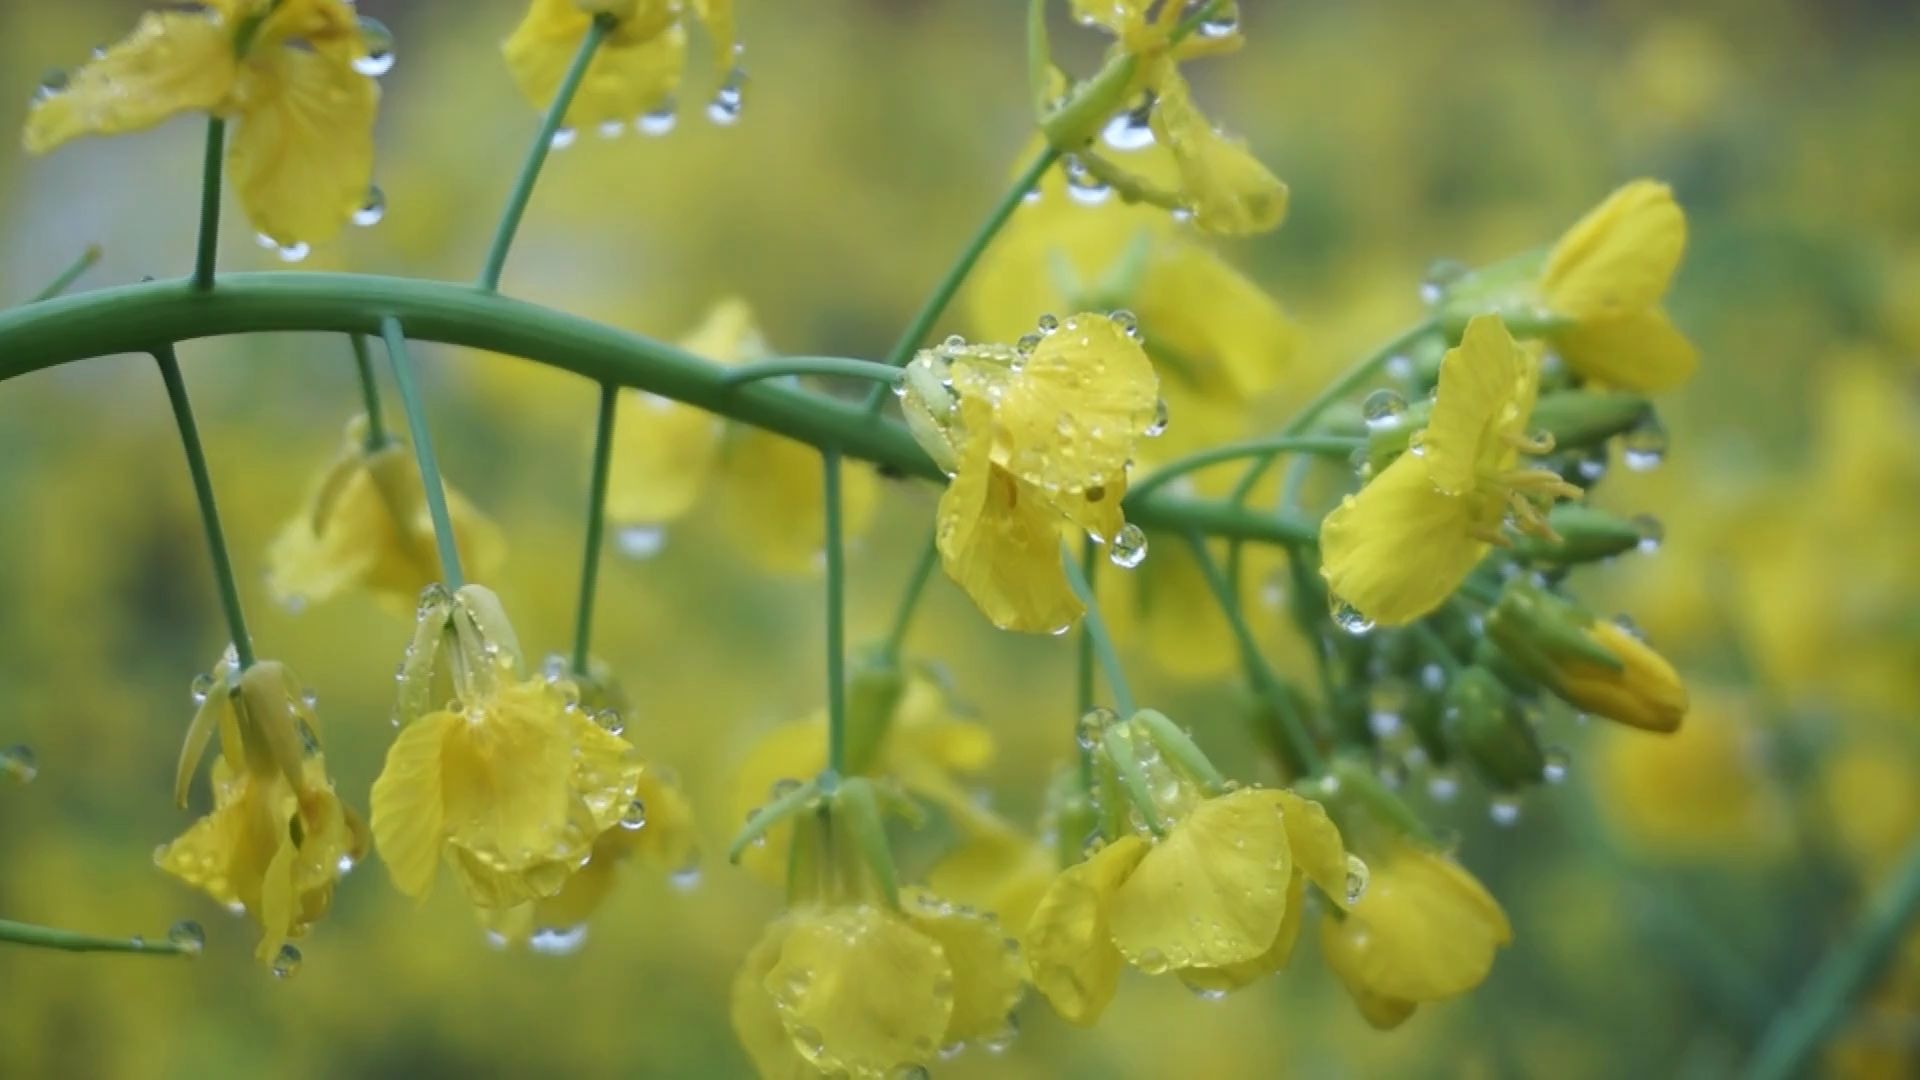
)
(1666, 899)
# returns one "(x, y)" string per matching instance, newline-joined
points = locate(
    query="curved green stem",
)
(910, 600)
(537, 154)
(836, 615)
(209, 205)
(811, 365)
(1100, 641)
(46, 937)
(1266, 449)
(70, 275)
(930, 311)
(596, 525)
(369, 393)
(435, 487)
(1798, 1031)
(209, 511)
(1303, 756)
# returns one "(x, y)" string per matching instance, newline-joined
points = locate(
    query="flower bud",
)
(1585, 535)
(874, 690)
(1484, 721)
(1581, 418)
(1595, 665)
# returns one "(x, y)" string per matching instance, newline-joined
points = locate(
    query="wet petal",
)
(1642, 352)
(860, 989)
(1399, 548)
(988, 974)
(1619, 258)
(301, 160)
(1479, 393)
(172, 63)
(1000, 542)
(634, 70)
(1071, 958)
(1230, 192)
(409, 810)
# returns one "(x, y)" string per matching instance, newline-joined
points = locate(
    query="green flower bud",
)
(1581, 418)
(1585, 535)
(874, 689)
(1485, 722)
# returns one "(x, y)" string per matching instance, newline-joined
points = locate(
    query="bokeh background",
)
(1667, 898)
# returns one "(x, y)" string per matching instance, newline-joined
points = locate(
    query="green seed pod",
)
(1582, 418)
(1586, 535)
(1485, 722)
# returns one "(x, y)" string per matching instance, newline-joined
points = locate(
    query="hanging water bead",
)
(20, 763)
(379, 44)
(1129, 547)
(1347, 617)
(1223, 21)
(1092, 725)
(1651, 532)
(286, 962)
(724, 109)
(563, 137)
(52, 84)
(373, 210)
(1357, 878)
(1441, 275)
(1504, 810)
(1557, 762)
(1383, 409)
(1048, 324)
(188, 937)
(1082, 185)
(1131, 130)
(640, 541)
(612, 129)
(658, 120)
(558, 941)
(634, 817)
(1644, 447)
(1158, 425)
(1443, 784)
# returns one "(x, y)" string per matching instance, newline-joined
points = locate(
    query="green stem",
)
(1303, 757)
(369, 393)
(596, 525)
(1083, 679)
(209, 205)
(209, 511)
(1349, 381)
(70, 275)
(811, 365)
(836, 615)
(1798, 1031)
(130, 318)
(1265, 449)
(1096, 630)
(46, 937)
(430, 481)
(516, 207)
(930, 311)
(910, 600)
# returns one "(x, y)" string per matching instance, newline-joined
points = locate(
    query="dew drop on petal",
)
(286, 962)
(378, 41)
(1357, 878)
(1347, 617)
(1383, 409)
(635, 816)
(295, 252)
(1129, 547)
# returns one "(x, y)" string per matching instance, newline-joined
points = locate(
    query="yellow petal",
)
(634, 70)
(1220, 980)
(1114, 16)
(669, 839)
(505, 772)
(301, 160)
(206, 719)
(172, 63)
(1619, 258)
(1229, 191)
(988, 975)
(1072, 415)
(756, 1022)
(1000, 542)
(718, 17)
(1425, 930)
(771, 490)
(1641, 351)
(663, 456)
(1235, 338)
(409, 810)
(1318, 852)
(1213, 891)
(1480, 386)
(860, 989)
(1071, 958)
(223, 854)
(795, 752)
(277, 918)
(995, 867)
(1399, 548)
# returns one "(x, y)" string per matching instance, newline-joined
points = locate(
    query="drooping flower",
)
(637, 67)
(1400, 547)
(1606, 276)
(366, 525)
(287, 73)
(512, 782)
(278, 838)
(668, 455)
(1425, 930)
(1036, 437)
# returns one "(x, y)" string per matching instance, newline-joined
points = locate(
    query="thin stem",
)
(209, 511)
(836, 615)
(1303, 757)
(1083, 670)
(1265, 449)
(910, 600)
(46, 937)
(430, 480)
(1349, 381)
(537, 154)
(369, 393)
(1798, 1031)
(70, 275)
(1096, 630)
(209, 204)
(596, 525)
(811, 365)
(930, 311)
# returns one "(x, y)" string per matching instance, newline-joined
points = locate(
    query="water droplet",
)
(1126, 322)
(660, 119)
(188, 936)
(724, 109)
(345, 865)
(1026, 345)
(52, 83)
(563, 137)
(640, 541)
(1158, 426)
(1592, 467)
(558, 941)
(295, 252)
(635, 816)
(1347, 617)
(1400, 366)
(378, 41)
(1357, 877)
(1644, 447)
(293, 603)
(1554, 771)
(1133, 129)
(1209, 993)
(1441, 275)
(199, 688)
(1092, 725)
(1630, 628)
(687, 878)
(911, 1072)
(611, 129)
(783, 787)
(1504, 810)
(1083, 186)
(1223, 22)
(286, 962)
(1443, 785)
(1129, 547)
(1651, 532)
(610, 721)
(20, 762)
(1048, 324)
(1383, 409)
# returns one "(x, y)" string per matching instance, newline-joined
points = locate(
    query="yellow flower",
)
(1399, 548)
(301, 158)
(1035, 438)
(1595, 664)
(1424, 931)
(1705, 792)
(513, 782)
(867, 991)
(1217, 900)
(366, 525)
(278, 838)
(667, 454)
(637, 67)
(1606, 277)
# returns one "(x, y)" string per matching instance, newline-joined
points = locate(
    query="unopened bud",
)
(1485, 722)
(1597, 666)
(1585, 535)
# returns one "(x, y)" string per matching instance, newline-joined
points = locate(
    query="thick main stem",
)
(209, 205)
(369, 393)
(47, 937)
(1095, 628)
(596, 525)
(956, 275)
(537, 154)
(209, 511)
(430, 480)
(836, 614)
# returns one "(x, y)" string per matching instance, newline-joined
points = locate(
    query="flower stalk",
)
(436, 490)
(596, 525)
(209, 243)
(196, 455)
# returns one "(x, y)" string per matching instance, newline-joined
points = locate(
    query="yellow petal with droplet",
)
(795, 751)
(408, 805)
(1399, 548)
(1229, 191)
(1072, 414)
(1477, 400)
(988, 974)
(634, 70)
(301, 159)
(860, 989)
(1426, 930)
(171, 63)
(1071, 958)
(1219, 980)
(756, 1022)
